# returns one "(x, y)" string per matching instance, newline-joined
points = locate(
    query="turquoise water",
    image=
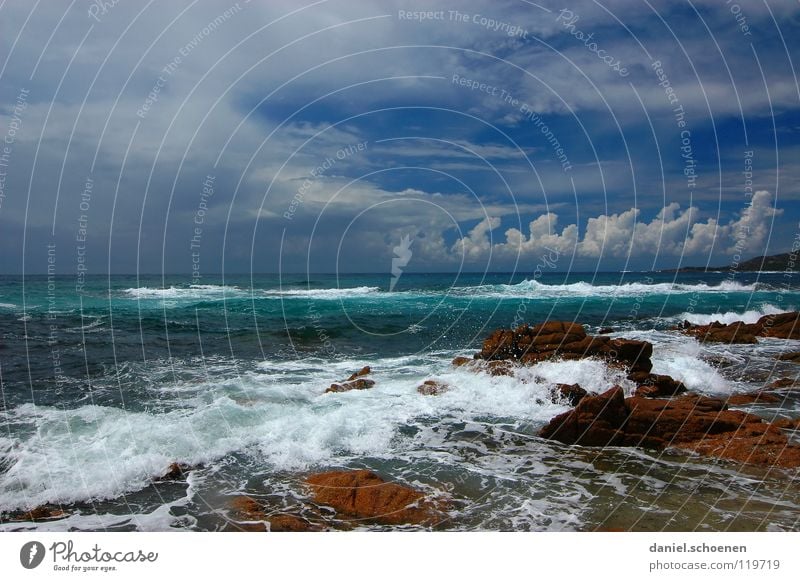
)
(104, 388)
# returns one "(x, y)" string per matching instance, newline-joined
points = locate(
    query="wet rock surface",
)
(357, 380)
(700, 424)
(780, 326)
(565, 340)
(363, 495)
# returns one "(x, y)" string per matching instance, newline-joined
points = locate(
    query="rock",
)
(41, 513)
(289, 523)
(360, 383)
(362, 494)
(432, 387)
(355, 381)
(595, 421)
(793, 356)
(718, 361)
(175, 471)
(781, 326)
(572, 394)
(701, 424)
(654, 385)
(782, 383)
(247, 508)
(563, 340)
(750, 398)
(459, 361)
(787, 424)
(361, 373)
(605, 331)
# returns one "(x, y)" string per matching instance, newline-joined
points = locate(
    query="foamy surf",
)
(537, 290)
(199, 291)
(728, 317)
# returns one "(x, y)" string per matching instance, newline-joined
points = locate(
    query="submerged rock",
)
(793, 356)
(432, 387)
(349, 385)
(289, 523)
(355, 381)
(701, 424)
(41, 513)
(782, 383)
(175, 471)
(362, 494)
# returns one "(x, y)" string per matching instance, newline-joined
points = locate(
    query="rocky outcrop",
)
(363, 495)
(563, 340)
(571, 394)
(654, 385)
(701, 424)
(780, 326)
(356, 381)
(433, 387)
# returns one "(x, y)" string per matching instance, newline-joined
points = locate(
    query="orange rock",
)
(750, 398)
(563, 340)
(362, 494)
(701, 424)
(781, 326)
(44, 512)
(361, 373)
(247, 508)
(654, 385)
(432, 387)
(288, 523)
(350, 385)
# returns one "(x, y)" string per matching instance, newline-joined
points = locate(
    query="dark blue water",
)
(134, 372)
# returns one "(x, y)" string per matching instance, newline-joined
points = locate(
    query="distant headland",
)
(777, 262)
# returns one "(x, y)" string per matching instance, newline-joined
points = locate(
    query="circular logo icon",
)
(31, 554)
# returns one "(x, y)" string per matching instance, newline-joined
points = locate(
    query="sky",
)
(337, 136)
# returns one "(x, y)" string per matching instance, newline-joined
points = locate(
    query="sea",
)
(107, 383)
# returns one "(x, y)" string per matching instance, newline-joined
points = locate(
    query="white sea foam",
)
(195, 291)
(535, 289)
(682, 360)
(728, 317)
(96, 452)
(7, 306)
(326, 293)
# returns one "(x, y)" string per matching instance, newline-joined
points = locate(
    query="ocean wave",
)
(195, 291)
(536, 289)
(751, 316)
(326, 293)
(7, 306)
